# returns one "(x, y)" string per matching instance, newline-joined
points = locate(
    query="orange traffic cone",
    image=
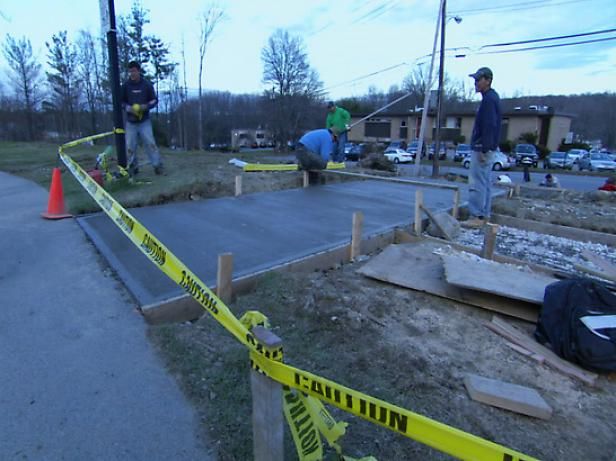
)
(55, 207)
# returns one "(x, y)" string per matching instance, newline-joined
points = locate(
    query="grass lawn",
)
(189, 174)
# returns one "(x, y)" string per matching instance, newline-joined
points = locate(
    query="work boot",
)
(474, 223)
(159, 170)
(133, 170)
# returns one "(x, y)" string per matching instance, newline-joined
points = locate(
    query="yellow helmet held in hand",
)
(137, 110)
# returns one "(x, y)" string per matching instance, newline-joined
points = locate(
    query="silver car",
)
(596, 162)
(500, 161)
(560, 160)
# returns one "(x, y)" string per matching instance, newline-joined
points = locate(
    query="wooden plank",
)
(267, 414)
(514, 335)
(489, 241)
(444, 232)
(515, 282)
(224, 277)
(410, 182)
(601, 263)
(596, 273)
(415, 266)
(406, 237)
(358, 224)
(572, 233)
(418, 206)
(455, 210)
(525, 352)
(238, 185)
(512, 397)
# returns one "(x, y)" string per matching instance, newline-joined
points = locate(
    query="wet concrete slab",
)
(261, 230)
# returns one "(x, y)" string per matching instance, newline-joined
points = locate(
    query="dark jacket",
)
(486, 131)
(141, 92)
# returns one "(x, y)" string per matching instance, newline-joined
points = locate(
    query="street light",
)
(439, 104)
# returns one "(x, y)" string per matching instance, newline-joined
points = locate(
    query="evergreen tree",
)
(63, 80)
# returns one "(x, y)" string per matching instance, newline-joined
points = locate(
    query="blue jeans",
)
(338, 154)
(480, 192)
(141, 131)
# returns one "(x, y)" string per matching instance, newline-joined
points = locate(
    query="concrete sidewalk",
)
(79, 379)
(261, 230)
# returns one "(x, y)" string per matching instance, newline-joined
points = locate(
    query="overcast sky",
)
(348, 39)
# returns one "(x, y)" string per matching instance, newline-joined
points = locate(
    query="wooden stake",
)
(306, 178)
(456, 203)
(267, 416)
(358, 224)
(489, 240)
(224, 285)
(418, 215)
(238, 185)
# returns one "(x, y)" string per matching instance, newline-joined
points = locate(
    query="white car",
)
(398, 155)
(500, 161)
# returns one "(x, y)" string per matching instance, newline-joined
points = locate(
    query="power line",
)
(513, 7)
(372, 74)
(559, 37)
(549, 46)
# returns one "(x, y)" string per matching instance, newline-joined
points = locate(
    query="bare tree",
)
(210, 18)
(27, 76)
(90, 71)
(295, 86)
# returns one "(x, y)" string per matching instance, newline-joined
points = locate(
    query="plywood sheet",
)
(475, 273)
(416, 266)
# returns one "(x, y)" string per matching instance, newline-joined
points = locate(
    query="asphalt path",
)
(79, 378)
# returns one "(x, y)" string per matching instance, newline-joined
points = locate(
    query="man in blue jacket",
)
(484, 142)
(315, 149)
(138, 98)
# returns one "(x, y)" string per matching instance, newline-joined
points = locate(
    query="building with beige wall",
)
(550, 127)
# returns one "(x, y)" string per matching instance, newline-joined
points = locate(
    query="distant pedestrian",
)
(526, 164)
(338, 119)
(609, 185)
(550, 180)
(484, 142)
(315, 149)
(138, 98)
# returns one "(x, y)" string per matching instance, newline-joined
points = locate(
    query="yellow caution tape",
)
(425, 430)
(270, 167)
(437, 435)
(286, 167)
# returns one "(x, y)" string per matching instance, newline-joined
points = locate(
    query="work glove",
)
(137, 110)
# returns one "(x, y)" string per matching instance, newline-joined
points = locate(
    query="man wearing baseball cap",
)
(484, 141)
(338, 119)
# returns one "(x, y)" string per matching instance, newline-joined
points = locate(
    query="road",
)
(578, 182)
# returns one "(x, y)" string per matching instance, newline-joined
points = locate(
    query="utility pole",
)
(439, 103)
(114, 75)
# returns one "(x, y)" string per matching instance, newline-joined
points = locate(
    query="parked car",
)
(397, 144)
(412, 149)
(526, 150)
(500, 161)
(356, 152)
(575, 154)
(398, 155)
(560, 160)
(461, 151)
(596, 162)
(442, 154)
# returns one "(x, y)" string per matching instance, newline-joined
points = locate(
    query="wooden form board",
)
(475, 273)
(522, 339)
(416, 266)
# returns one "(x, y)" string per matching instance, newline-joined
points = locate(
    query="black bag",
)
(573, 320)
